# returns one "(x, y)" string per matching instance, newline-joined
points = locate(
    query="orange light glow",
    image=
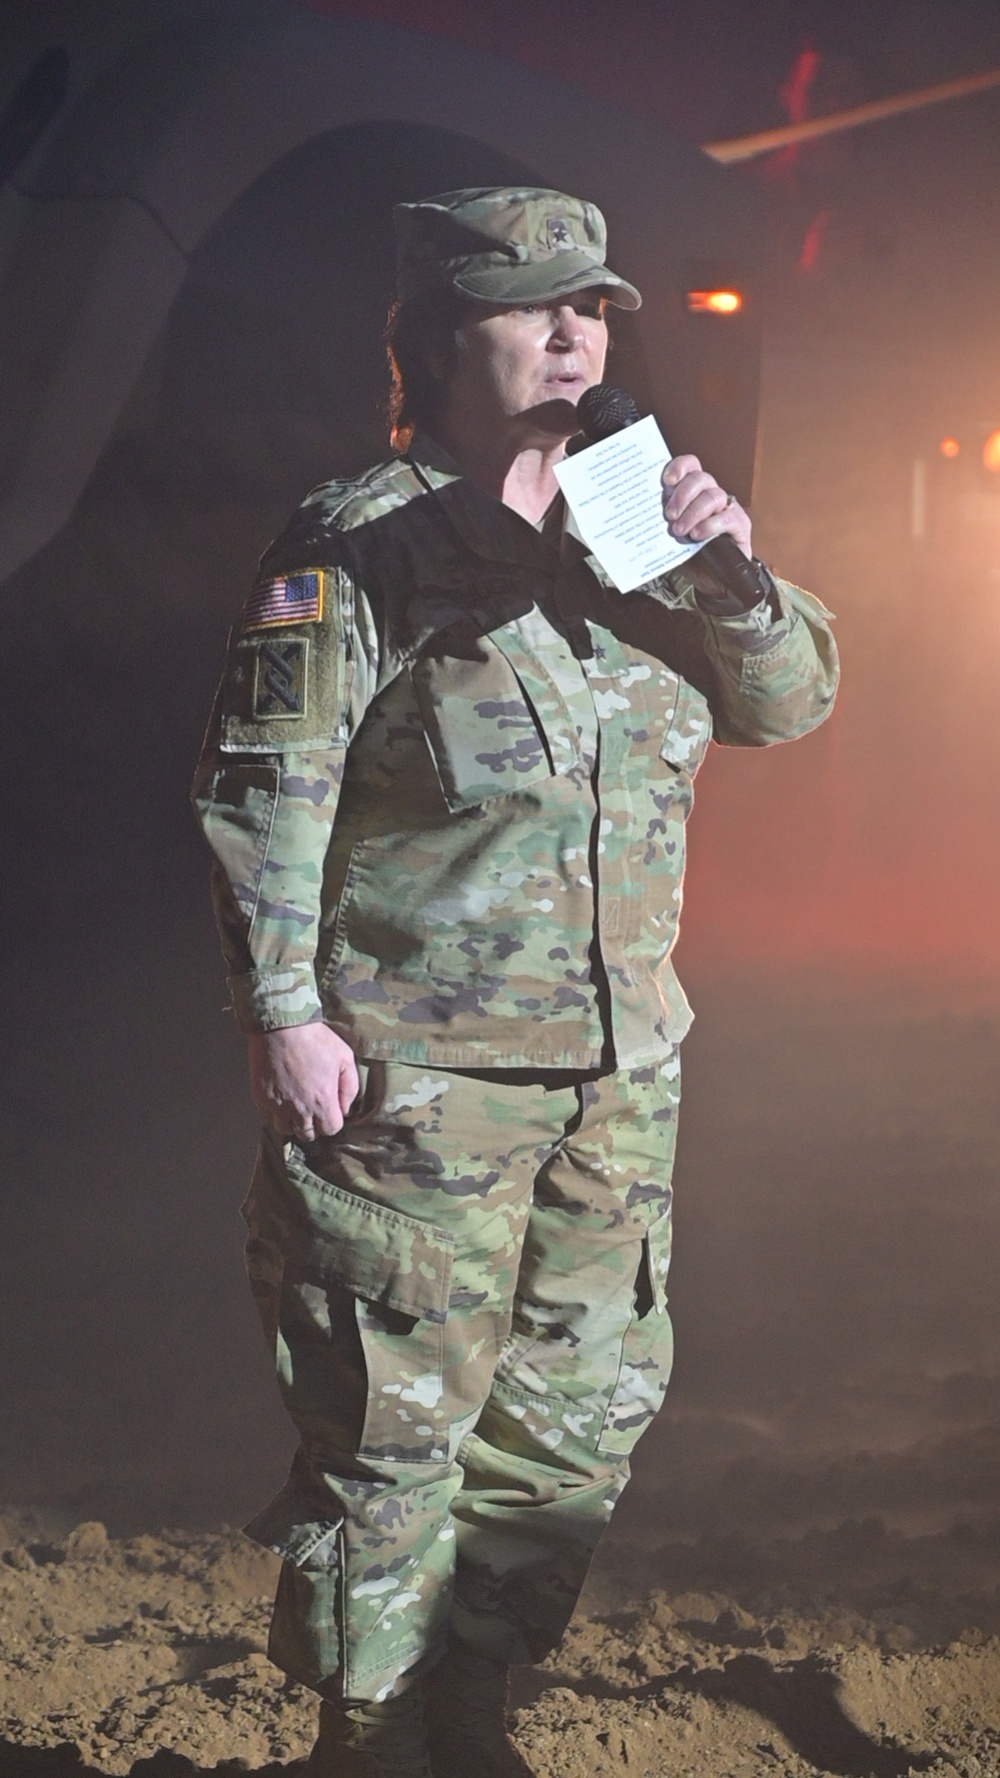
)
(991, 452)
(949, 447)
(714, 302)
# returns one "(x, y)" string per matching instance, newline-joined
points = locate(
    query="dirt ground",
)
(852, 1652)
(803, 1576)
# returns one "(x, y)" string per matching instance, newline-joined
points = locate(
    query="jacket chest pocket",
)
(503, 712)
(644, 704)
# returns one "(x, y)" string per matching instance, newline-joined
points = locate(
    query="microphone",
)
(604, 410)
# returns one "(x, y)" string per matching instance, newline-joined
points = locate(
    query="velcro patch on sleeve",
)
(288, 599)
(279, 686)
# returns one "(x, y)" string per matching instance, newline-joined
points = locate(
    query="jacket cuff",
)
(271, 999)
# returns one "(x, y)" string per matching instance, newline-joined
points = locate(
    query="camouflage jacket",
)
(448, 771)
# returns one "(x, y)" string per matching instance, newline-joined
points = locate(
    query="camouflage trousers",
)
(465, 1294)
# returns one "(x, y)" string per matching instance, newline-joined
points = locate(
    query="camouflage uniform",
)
(450, 1287)
(446, 783)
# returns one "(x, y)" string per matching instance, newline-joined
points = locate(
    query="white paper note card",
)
(613, 491)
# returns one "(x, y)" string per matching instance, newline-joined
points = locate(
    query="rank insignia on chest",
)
(290, 599)
(279, 685)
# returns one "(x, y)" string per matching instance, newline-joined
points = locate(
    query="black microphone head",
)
(604, 410)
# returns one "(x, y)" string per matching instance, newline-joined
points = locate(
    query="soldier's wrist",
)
(272, 998)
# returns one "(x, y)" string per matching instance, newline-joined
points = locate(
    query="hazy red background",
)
(875, 845)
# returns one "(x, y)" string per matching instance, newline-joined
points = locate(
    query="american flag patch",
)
(291, 599)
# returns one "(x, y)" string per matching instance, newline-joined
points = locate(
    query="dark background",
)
(838, 1212)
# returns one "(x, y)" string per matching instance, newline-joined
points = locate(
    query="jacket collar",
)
(491, 530)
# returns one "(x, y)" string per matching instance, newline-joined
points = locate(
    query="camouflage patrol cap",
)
(505, 244)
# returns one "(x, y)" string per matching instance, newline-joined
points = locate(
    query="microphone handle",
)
(742, 576)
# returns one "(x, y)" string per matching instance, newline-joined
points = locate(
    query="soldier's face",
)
(516, 363)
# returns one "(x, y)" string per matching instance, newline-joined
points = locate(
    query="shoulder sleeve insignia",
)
(279, 688)
(290, 599)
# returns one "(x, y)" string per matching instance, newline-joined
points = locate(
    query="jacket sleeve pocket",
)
(285, 690)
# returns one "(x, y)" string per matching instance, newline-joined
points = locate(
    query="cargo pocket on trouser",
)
(647, 1350)
(397, 1270)
(368, 1552)
(305, 1639)
(264, 1252)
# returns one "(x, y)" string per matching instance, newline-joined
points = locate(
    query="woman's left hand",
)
(696, 508)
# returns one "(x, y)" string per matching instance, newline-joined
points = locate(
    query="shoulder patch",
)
(280, 679)
(288, 599)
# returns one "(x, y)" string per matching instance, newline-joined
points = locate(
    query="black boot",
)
(467, 1719)
(370, 1740)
